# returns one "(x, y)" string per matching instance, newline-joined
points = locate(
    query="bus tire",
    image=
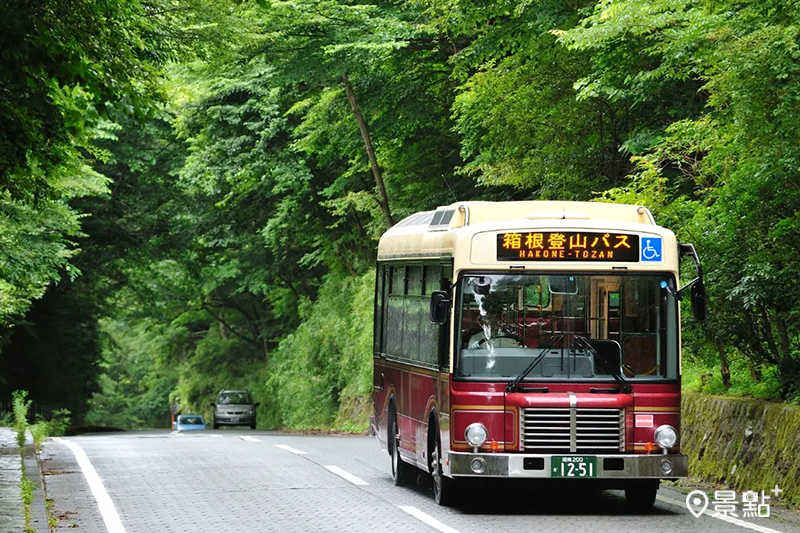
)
(444, 488)
(401, 471)
(641, 495)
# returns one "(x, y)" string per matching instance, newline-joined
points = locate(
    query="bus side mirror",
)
(440, 307)
(698, 299)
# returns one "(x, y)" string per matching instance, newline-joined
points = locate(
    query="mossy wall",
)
(744, 444)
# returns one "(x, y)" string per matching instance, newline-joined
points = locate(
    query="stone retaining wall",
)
(744, 444)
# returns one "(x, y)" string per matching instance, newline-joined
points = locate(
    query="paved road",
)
(245, 481)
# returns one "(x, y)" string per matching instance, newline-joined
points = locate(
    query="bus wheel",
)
(401, 472)
(444, 488)
(641, 495)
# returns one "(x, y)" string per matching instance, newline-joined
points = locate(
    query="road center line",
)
(346, 475)
(289, 449)
(428, 519)
(249, 439)
(729, 519)
(107, 509)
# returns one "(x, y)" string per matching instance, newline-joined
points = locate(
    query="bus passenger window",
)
(412, 311)
(433, 281)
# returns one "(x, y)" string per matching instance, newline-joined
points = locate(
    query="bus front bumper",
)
(529, 466)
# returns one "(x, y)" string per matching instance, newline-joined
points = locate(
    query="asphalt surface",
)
(251, 481)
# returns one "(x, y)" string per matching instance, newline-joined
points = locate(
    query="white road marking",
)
(107, 509)
(346, 475)
(428, 519)
(728, 519)
(289, 449)
(249, 439)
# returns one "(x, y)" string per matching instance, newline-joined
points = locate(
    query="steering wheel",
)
(502, 335)
(630, 372)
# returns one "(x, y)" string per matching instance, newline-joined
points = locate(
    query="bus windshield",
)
(582, 327)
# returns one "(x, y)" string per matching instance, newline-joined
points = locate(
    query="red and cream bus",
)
(531, 340)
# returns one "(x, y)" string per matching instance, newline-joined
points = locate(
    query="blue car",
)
(189, 423)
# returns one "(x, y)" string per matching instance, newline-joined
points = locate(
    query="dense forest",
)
(192, 191)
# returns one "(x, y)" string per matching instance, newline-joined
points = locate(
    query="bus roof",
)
(431, 234)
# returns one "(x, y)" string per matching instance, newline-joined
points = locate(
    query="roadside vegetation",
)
(39, 430)
(190, 199)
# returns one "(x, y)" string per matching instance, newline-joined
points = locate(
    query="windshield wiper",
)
(513, 385)
(583, 342)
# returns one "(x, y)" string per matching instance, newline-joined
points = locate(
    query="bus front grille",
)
(572, 430)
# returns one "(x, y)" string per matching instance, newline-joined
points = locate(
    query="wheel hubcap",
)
(437, 472)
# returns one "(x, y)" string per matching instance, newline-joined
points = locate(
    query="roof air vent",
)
(441, 220)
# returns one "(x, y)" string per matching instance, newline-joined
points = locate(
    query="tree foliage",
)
(216, 173)
(739, 153)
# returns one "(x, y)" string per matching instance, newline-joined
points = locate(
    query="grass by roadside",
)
(746, 381)
(26, 490)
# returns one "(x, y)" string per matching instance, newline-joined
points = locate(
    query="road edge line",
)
(104, 502)
(289, 449)
(427, 519)
(345, 475)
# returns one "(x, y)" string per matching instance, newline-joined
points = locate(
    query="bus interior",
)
(583, 326)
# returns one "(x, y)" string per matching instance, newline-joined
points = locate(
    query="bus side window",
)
(381, 287)
(394, 316)
(429, 333)
(414, 312)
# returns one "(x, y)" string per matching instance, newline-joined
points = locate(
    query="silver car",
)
(235, 408)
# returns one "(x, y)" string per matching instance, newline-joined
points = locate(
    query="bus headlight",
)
(666, 436)
(476, 434)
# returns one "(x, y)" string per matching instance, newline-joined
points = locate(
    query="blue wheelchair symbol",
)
(651, 249)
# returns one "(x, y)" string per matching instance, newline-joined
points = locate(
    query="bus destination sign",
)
(567, 246)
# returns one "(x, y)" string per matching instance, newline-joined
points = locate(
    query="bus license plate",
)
(574, 466)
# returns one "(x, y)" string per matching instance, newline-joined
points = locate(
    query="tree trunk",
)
(724, 369)
(783, 337)
(223, 330)
(383, 199)
(766, 333)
